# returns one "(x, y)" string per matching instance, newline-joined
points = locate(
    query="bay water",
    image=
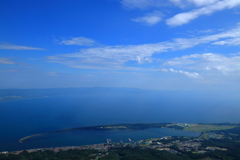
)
(26, 117)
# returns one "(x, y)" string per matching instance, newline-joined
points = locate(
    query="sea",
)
(20, 118)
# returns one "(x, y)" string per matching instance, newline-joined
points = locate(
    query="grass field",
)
(203, 128)
(115, 127)
(152, 139)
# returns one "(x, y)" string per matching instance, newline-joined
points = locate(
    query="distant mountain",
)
(15, 94)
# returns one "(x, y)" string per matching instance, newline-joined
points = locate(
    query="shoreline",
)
(196, 127)
(141, 126)
(64, 148)
(122, 127)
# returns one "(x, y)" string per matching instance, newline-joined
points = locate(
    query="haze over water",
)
(188, 50)
(25, 117)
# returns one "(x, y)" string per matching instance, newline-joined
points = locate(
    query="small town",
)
(173, 145)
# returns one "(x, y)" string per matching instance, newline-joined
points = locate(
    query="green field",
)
(115, 127)
(203, 128)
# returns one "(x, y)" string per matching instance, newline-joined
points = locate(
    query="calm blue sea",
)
(25, 117)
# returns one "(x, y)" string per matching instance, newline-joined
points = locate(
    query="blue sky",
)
(149, 44)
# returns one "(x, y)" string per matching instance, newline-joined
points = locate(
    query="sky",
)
(147, 44)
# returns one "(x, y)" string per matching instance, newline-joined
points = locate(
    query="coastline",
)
(201, 136)
(199, 128)
(127, 126)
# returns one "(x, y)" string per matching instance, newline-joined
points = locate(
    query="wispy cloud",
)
(207, 62)
(52, 74)
(141, 4)
(228, 37)
(198, 3)
(188, 74)
(232, 41)
(98, 65)
(80, 41)
(150, 19)
(6, 61)
(111, 56)
(16, 47)
(183, 18)
(56, 58)
(116, 57)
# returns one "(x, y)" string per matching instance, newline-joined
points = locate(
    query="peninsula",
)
(140, 126)
(217, 141)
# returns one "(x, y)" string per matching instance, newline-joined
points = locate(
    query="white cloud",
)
(16, 47)
(149, 19)
(138, 59)
(183, 18)
(207, 62)
(188, 74)
(80, 41)
(6, 61)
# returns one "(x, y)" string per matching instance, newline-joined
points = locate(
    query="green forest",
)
(122, 154)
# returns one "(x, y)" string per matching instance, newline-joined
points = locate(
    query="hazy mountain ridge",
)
(15, 94)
